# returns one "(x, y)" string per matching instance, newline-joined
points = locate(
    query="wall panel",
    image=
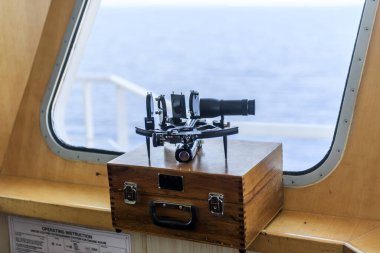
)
(4, 235)
(27, 153)
(353, 188)
(21, 23)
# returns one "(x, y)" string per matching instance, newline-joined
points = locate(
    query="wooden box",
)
(207, 200)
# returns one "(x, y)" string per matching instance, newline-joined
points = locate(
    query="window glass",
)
(292, 57)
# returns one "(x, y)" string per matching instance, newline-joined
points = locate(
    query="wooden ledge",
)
(368, 242)
(62, 202)
(295, 232)
(290, 231)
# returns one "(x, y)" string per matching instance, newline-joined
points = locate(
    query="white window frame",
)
(81, 23)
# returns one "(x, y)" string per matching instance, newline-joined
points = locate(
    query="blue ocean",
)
(293, 61)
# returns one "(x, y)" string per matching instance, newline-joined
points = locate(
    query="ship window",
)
(293, 57)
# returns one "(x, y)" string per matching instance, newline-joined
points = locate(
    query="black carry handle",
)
(172, 223)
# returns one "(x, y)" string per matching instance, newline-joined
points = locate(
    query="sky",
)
(233, 2)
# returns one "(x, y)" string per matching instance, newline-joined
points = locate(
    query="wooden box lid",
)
(242, 157)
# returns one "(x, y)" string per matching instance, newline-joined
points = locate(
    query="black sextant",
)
(186, 131)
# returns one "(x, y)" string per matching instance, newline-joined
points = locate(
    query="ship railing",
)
(123, 86)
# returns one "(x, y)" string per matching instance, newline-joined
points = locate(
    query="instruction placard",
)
(34, 236)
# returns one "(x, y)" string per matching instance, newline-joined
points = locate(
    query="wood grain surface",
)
(353, 188)
(350, 193)
(368, 242)
(216, 230)
(263, 194)
(242, 156)
(194, 183)
(246, 211)
(27, 153)
(21, 24)
(294, 231)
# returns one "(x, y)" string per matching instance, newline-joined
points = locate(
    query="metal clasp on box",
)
(130, 193)
(216, 203)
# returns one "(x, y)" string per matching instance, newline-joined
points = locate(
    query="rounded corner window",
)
(301, 78)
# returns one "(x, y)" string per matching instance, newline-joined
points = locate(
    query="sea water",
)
(293, 61)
